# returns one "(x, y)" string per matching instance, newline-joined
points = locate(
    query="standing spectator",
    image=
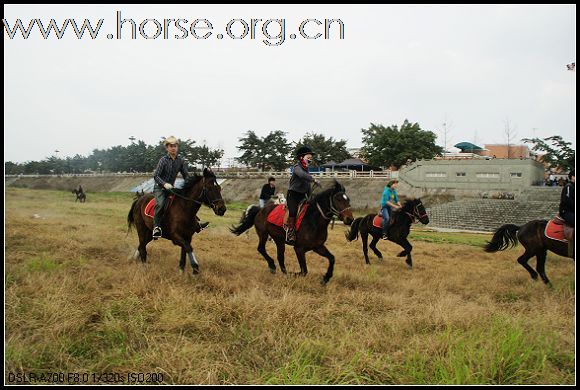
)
(268, 191)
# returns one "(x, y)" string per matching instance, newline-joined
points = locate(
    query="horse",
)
(138, 194)
(179, 217)
(400, 226)
(80, 195)
(312, 234)
(533, 238)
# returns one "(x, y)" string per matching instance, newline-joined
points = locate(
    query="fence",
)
(225, 174)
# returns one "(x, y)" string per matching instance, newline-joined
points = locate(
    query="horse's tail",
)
(504, 237)
(131, 217)
(352, 233)
(246, 221)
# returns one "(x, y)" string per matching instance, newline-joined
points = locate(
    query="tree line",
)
(390, 146)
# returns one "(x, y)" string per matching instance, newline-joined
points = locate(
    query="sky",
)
(474, 68)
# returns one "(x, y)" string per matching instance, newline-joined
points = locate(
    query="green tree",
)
(325, 149)
(270, 152)
(559, 153)
(386, 146)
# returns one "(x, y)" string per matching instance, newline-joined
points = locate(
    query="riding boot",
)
(199, 226)
(290, 231)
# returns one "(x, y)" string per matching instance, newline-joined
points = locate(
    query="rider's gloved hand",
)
(167, 186)
(317, 182)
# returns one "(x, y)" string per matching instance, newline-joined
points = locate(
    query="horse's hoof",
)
(196, 271)
(284, 271)
(381, 259)
(272, 271)
(323, 281)
(181, 271)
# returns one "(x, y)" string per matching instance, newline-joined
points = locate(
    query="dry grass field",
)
(75, 303)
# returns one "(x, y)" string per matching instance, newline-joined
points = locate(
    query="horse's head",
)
(212, 193)
(416, 209)
(340, 203)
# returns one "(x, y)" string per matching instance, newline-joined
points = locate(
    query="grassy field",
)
(75, 303)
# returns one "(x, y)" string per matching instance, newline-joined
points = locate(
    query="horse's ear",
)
(207, 172)
(338, 187)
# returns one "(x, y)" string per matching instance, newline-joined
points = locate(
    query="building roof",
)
(467, 146)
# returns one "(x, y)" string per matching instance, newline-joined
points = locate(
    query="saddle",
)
(556, 229)
(279, 215)
(150, 208)
(378, 221)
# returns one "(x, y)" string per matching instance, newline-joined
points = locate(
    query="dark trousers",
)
(569, 217)
(160, 196)
(386, 213)
(293, 199)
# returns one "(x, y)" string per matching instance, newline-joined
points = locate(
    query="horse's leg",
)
(192, 260)
(540, 265)
(523, 260)
(262, 249)
(301, 255)
(407, 250)
(182, 260)
(373, 246)
(323, 251)
(364, 238)
(143, 241)
(280, 249)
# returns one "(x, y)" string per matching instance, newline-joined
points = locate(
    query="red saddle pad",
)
(555, 230)
(378, 221)
(276, 216)
(150, 208)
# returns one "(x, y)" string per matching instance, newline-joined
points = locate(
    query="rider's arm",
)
(183, 170)
(301, 173)
(158, 171)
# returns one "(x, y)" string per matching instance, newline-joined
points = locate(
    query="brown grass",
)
(76, 303)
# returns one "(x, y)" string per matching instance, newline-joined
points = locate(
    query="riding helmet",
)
(303, 150)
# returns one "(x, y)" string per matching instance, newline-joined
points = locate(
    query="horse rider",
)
(389, 202)
(298, 189)
(164, 176)
(268, 191)
(566, 210)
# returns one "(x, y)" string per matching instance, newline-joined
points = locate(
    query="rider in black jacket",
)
(567, 211)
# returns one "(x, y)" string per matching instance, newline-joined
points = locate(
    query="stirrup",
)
(290, 237)
(157, 233)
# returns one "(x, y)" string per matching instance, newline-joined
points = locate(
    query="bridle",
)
(210, 203)
(334, 212)
(415, 216)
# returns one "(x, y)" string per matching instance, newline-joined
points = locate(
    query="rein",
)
(333, 210)
(414, 216)
(203, 193)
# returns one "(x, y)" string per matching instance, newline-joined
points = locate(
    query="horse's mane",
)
(188, 184)
(408, 205)
(337, 187)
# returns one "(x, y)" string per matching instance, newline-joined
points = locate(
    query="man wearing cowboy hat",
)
(298, 189)
(165, 174)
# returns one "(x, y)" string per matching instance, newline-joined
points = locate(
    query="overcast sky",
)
(473, 67)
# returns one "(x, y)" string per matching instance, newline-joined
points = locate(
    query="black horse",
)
(80, 194)
(179, 217)
(312, 234)
(400, 226)
(533, 238)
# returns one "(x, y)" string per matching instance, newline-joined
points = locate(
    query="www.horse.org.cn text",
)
(271, 32)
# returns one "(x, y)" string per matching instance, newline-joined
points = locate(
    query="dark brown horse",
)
(80, 195)
(177, 224)
(401, 221)
(531, 236)
(312, 234)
